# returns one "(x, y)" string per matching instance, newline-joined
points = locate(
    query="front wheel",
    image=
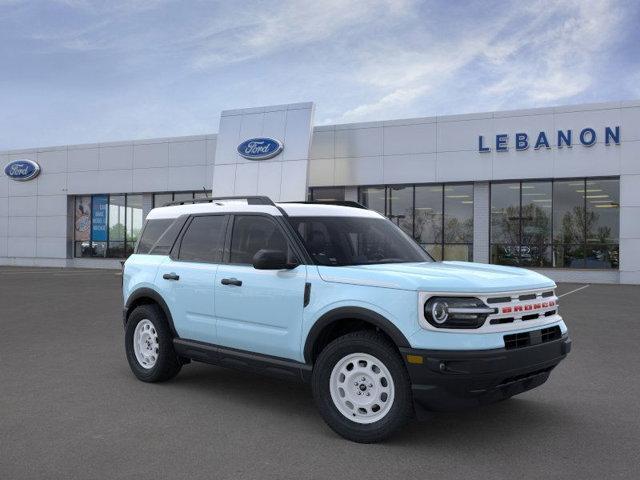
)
(149, 345)
(362, 388)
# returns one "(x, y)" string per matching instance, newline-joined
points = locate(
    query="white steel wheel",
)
(362, 388)
(145, 344)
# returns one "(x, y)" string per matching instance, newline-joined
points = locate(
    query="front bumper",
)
(451, 380)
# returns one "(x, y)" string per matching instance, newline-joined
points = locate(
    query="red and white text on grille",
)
(529, 307)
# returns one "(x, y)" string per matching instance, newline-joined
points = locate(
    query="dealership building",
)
(553, 189)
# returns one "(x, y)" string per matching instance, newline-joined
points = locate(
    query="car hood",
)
(453, 277)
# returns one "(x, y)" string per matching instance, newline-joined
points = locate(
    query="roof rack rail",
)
(251, 200)
(341, 203)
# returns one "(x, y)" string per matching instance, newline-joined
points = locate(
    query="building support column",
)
(147, 204)
(629, 229)
(481, 217)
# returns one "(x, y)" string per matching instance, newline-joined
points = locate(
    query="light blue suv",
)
(338, 296)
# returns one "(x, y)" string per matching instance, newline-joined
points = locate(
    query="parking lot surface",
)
(70, 408)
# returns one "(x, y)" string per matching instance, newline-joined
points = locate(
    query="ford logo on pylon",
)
(260, 148)
(22, 170)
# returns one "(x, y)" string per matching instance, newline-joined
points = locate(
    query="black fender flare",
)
(352, 313)
(153, 295)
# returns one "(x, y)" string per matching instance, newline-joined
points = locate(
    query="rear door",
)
(259, 310)
(190, 277)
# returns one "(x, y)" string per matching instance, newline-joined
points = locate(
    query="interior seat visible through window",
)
(252, 233)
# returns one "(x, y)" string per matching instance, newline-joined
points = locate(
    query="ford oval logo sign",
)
(22, 170)
(260, 148)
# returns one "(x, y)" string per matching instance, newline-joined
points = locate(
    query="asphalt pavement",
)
(71, 409)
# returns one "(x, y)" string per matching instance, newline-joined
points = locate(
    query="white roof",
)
(324, 210)
(292, 209)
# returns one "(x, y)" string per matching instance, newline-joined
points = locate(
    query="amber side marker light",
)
(417, 359)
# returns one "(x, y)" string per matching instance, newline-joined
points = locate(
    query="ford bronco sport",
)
(338, 296)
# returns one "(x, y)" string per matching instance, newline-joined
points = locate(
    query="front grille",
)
(524, 376)
(551, 333)
(527, 296)
(497, 321)
(525, 339)
(499, 300)
(517, 340)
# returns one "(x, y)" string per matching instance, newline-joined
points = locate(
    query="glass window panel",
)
(603, 256)
(536, 217)
(568, 256)
(505, 254)
(152, 233)
(373, 198)
(252, 233)
(327, 194)
(182, 196)
(535, 255)
(603, 211)
(400, 209)
(99, 249)
(435, 250)
(458, 214)
(536, 213)
(83, 249)
(505, 213)
(117, 215)
(460, 252)
(568, 211)
(204, 239)
(115, 249)
(201, 195)
(428, 214)
(161, 199)
(134, 220)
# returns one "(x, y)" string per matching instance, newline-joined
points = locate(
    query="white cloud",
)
(543, 52)
(287, 25)
(551, 61)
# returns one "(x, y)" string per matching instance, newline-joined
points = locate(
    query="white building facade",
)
(553, 189)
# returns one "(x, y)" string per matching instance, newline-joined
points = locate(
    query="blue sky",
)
(76, 71)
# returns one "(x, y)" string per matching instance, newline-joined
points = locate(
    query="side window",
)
(252, 233)
(153, 230)
(204, 239)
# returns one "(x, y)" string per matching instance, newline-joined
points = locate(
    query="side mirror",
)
(271, 260)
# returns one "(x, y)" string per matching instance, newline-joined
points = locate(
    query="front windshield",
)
(340, 241)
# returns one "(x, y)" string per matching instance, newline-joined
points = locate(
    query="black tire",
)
(167, 364)
(374, 344)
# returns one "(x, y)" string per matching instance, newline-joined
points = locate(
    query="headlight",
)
(456, 312)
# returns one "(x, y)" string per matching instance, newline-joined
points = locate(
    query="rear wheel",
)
(362, 388)
(149, 345)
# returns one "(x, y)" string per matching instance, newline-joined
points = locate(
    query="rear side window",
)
(153, 230)
(204, 239)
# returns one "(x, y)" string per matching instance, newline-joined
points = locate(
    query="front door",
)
(190, 277)
(259, 310)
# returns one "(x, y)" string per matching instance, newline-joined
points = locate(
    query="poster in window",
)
(99, 218)
(83, 218)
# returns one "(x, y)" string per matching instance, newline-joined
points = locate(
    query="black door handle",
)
(171, 276)
(231, 281)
